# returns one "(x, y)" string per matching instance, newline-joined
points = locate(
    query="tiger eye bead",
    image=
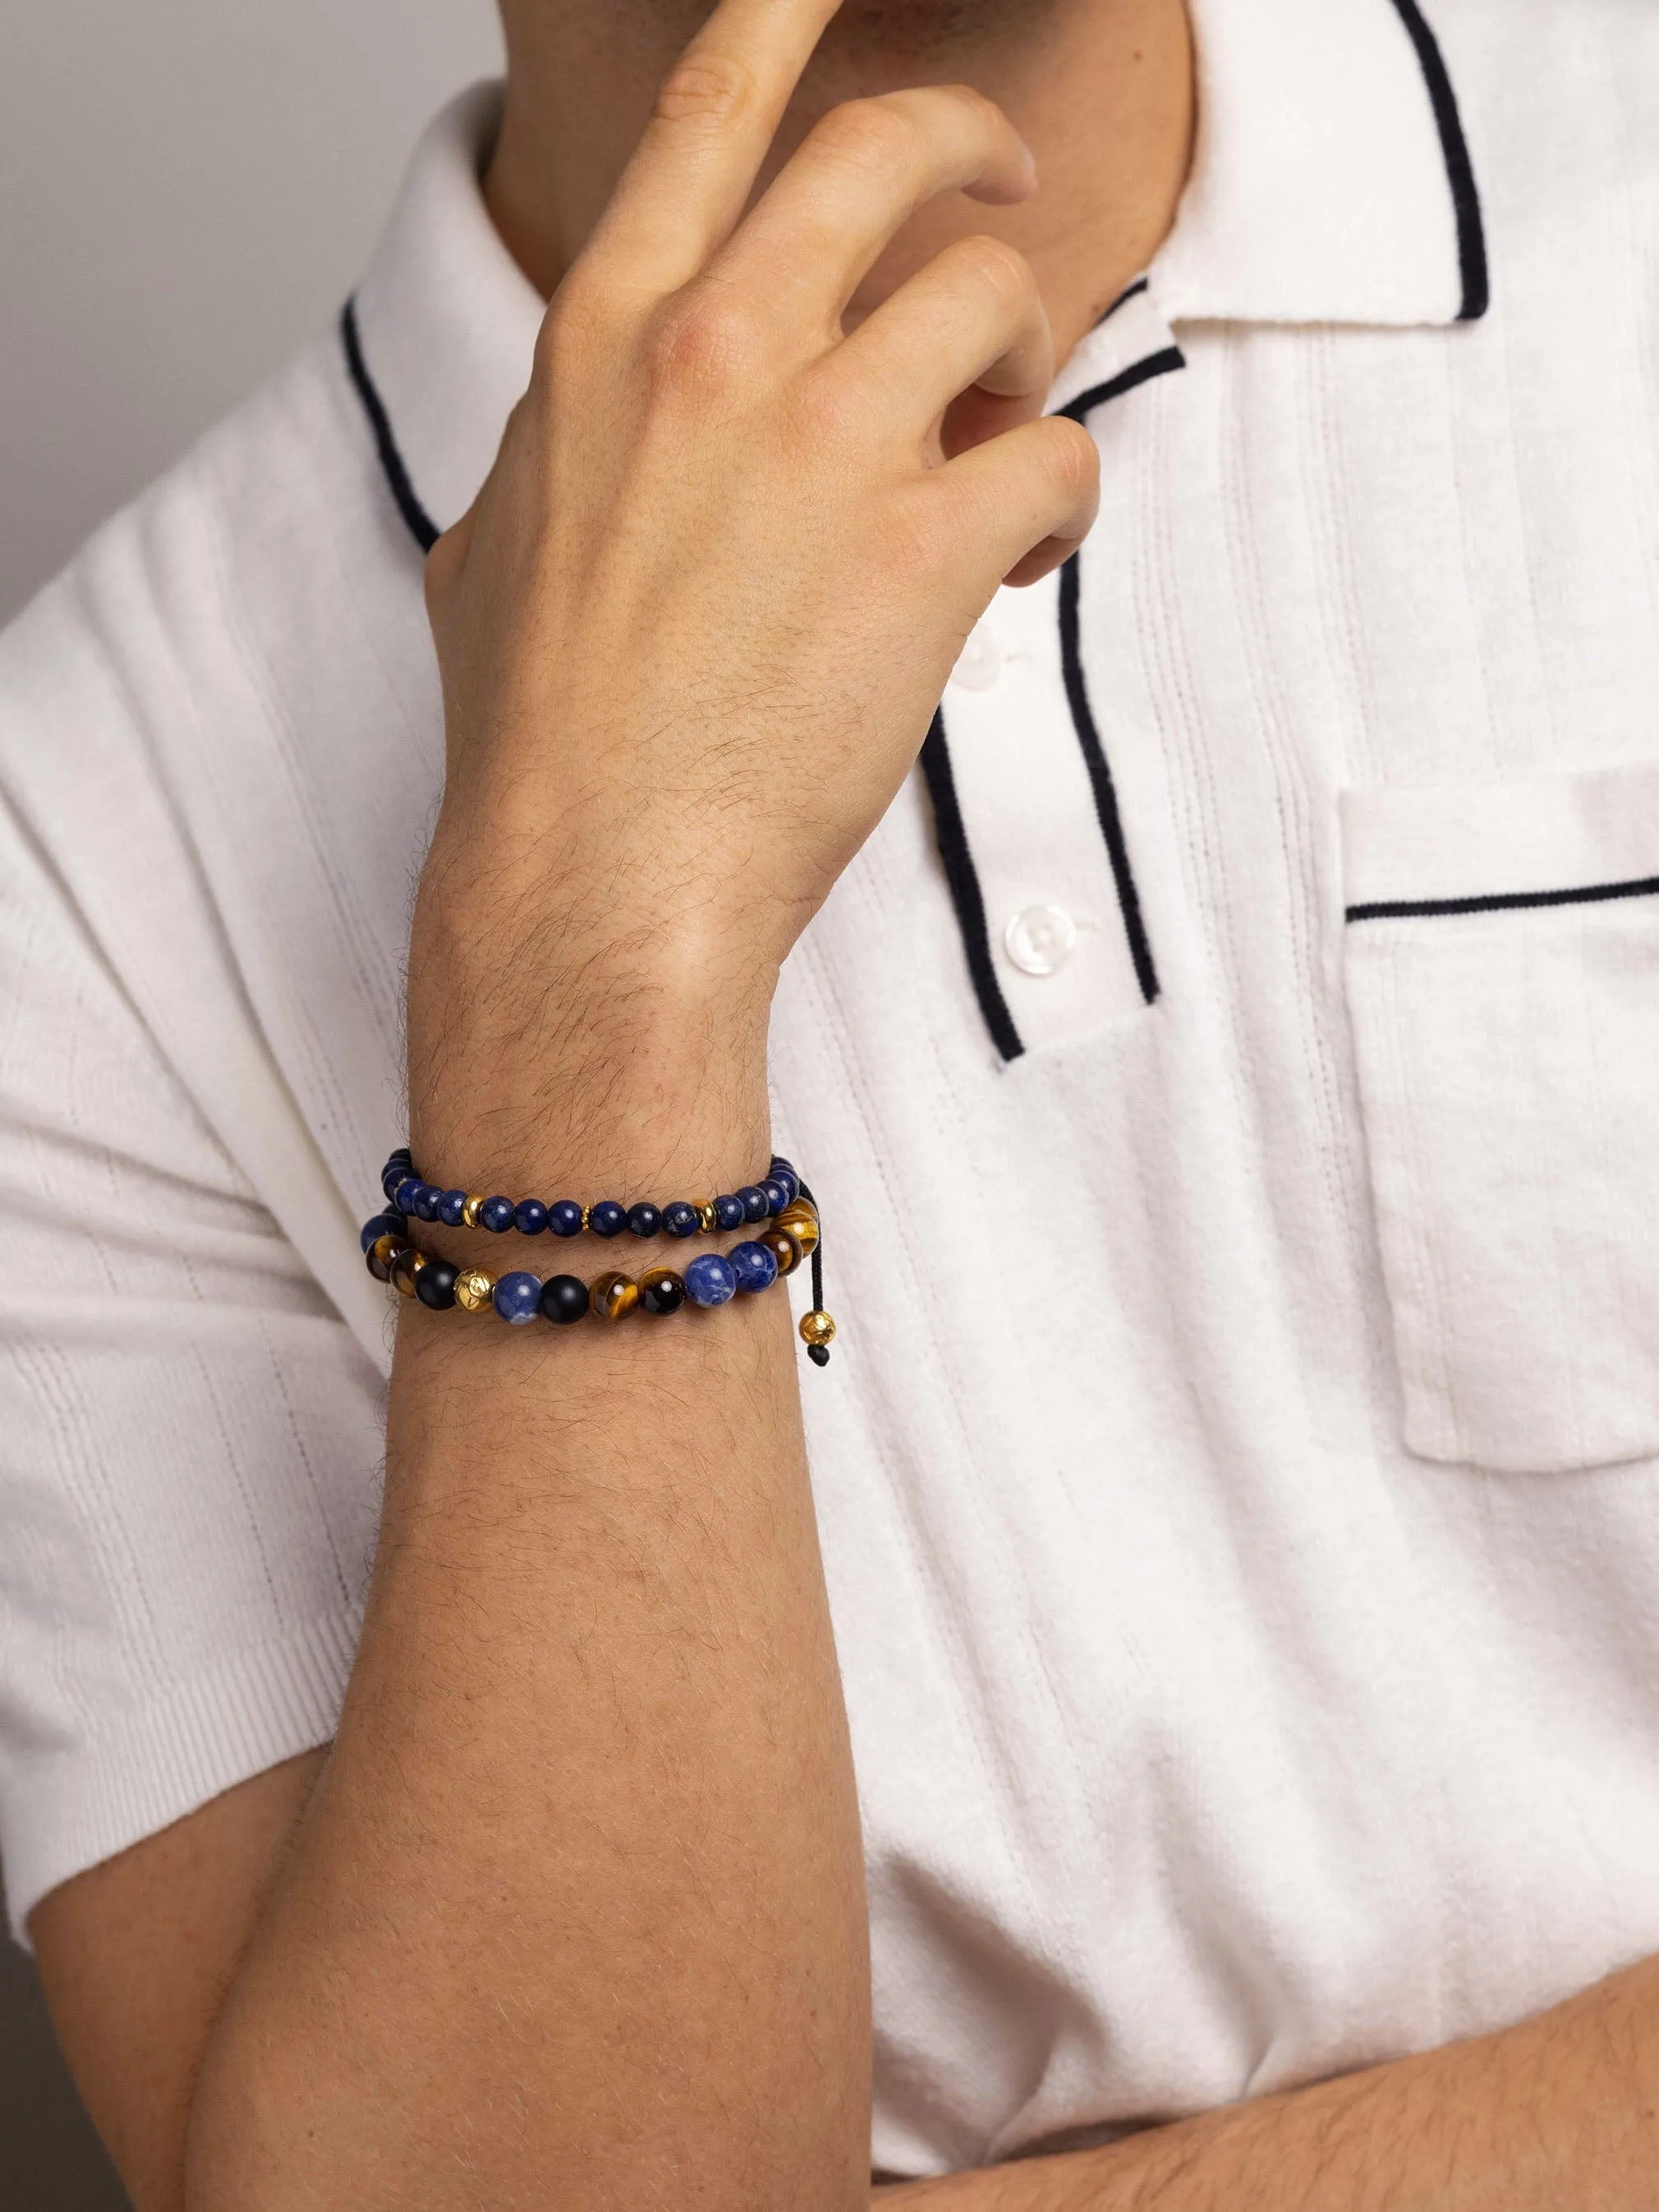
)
(381, 1253)
(404, 1268)
(474, 1206)
(474, 1291)
(661, 1291)
(614, 1295)
(802, 1224)
(785, 1248)
(817, 1329)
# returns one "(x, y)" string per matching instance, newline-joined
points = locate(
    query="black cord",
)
(818, 1353)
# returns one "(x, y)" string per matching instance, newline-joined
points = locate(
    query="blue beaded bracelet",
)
(711, 1280)
(408, 1193)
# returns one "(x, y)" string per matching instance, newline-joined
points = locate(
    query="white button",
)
(980, 663)
(1040, 939)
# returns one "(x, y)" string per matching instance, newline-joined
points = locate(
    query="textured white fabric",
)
(1245, 1568)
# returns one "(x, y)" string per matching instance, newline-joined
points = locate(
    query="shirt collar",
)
(1331, 183)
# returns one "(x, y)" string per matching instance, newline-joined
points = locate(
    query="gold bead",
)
(382, 1253)
(707, 1220)
(470, 1210)
(586, 1210)
(404, 1268)
(802, 1224)
(475, 1290)
(818, 1328)
(614, 1295)
(784, 1246)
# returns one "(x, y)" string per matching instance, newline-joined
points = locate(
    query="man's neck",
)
(1102, 89)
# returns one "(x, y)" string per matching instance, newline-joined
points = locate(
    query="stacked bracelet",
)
(517, 1297)
(408, 1193)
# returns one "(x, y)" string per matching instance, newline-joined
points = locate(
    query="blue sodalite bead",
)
(383, 1225)
(393, 1173)
(785, 1171)
(729, 1212)
(402, 1198)
(495, 1215)
(777, 1194)
(530, 1217)
(754, 1266)
(426, 1200)
(564, 1297)
(565, 1218)
(644, 1220)
(680, 1219)
(756, 1204)
(451, 1208)
(518, 1297)
(710, 1280)
(607, 1219)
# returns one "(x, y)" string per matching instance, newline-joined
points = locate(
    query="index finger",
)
(689, 181)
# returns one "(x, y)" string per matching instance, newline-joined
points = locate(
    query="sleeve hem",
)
(64, 1811)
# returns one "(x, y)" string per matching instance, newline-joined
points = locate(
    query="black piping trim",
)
(1100, 778)
(422, 528)
(1140, 372)
(1460, 169)
(1138, 290)
(1504, 902)
(967, 897)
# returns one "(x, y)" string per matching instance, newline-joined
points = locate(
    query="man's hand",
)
(695, 627)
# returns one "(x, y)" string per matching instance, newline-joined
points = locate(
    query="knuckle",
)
(998, 265)
(1072, 454)
(709, 87)
(878, 133)
(705, 341)
(579, 324)
(824, 408)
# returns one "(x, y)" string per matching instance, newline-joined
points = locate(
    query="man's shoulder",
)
(212, 587)
(250, 602)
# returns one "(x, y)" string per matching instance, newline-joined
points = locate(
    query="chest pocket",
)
(1502, 969)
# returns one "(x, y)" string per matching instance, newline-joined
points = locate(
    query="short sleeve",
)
(189, 1436)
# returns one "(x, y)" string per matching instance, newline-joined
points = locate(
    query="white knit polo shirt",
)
(1230, 1075)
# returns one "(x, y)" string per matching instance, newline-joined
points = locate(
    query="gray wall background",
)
(187, 189)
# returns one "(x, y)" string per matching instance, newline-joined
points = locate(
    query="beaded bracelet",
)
(710, 1279)
(408, 1193)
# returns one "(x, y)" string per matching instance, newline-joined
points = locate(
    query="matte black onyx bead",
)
(564, 1298)
(434, 1285)
(644, 1220)
(661, 1291)
(607, 1219)
(680, 1219)
(755, 1204)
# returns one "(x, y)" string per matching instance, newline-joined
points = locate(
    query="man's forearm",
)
(580, 1893)
(1559, 2114)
